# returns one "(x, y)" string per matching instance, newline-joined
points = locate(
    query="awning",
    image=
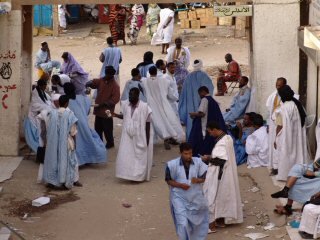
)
(309, 42)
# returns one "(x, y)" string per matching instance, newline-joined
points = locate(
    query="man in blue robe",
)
(90, 148)
(208, 111)
(189, 209)
(146, 64)
(239, 102)
(60, 164)
(135, 82)
(189, 99)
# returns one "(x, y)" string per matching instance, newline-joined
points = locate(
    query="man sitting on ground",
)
(256, 144)
(44, 64)
(239, 102)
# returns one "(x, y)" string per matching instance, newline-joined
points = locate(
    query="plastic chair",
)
(309, 120)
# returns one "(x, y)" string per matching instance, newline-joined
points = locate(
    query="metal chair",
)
(232, 85)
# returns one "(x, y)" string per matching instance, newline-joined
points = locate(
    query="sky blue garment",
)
(189, 208)
(60, 163)
(144, 70)
(189, 99)
(134, 84)
(31, 134)
(239, 146)
(113, 58)
(238, 106)
(89, 147)
(304, 188)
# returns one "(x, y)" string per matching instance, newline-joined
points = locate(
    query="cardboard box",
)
(201, 12)
(212, 21)
(183, 15)
(195, 24)
(192, 15)
(184, 23)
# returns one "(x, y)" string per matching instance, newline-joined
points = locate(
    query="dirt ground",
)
(96, 211)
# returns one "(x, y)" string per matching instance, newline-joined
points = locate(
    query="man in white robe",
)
(308, 224)
(221, 187)
(179, 54)
(134, 160)
(256, 146)
(58, 81)
(290, 140)
(173, 85)
(165, 122)
(43, 60)
(273, 104)
(165, 29)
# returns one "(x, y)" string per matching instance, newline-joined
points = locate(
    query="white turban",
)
(197, 66)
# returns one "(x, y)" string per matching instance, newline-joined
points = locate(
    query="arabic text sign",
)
(233, 11)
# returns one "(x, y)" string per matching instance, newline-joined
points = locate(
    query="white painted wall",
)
(10, 39)
(275, 50)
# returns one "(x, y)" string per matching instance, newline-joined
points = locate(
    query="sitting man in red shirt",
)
(233, 73)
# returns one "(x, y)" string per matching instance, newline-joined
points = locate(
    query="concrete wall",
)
(275, 51)
(10, 82)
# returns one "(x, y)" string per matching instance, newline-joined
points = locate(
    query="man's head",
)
(160, 64)
(214, 129)
(281, 81)
(55, 100)
(148, 56)
(153, 71)
(228, 57)
(109, 40)
(134, 95)
(178, 42)
(258, 121)
(203, 91)
(65, 56)
(243, 81)
(55, 80)
(135, 74)
(109, 72)
(64, 101)
(171, 67)
(42, 84)
(186, 151)
(44, 46)
(70, 90)
(248, 119)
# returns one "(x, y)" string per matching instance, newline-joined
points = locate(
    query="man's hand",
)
(228, 110)
(239, 125)
(184, 186)
(192, 114)
(196, 180)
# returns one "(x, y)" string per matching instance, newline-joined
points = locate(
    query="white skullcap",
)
(56, 97)
(197, 66)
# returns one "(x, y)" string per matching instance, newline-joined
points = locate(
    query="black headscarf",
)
(42, 94)
(70, 90)
(287, 94)
(147, 59)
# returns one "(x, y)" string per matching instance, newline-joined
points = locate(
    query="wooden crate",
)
(183, 15)
(192, 15)
(195, 24)
(185, 23)
(201, 12)
(212, 21)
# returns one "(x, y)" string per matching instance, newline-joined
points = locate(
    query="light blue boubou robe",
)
(31, 134)
(60, 163)
(90, 148)
(189, 99)
(238, 105)
(134, 84)
(189, 208)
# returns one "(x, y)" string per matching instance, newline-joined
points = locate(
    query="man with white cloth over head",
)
(165, 122)
(189, 99)
(221, 187)
(290, 141)
(134, 160)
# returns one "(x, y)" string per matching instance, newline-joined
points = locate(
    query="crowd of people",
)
(163, 101)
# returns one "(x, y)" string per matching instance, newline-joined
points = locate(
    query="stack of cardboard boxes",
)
(201, 17)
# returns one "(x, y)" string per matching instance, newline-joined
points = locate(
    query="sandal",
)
(283, 210)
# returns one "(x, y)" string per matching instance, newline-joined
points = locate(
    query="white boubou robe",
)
(257, 148)
(309, 218)
(165, 122)
(291, 140)
(223, 195)
(134, 160)
(174, 87)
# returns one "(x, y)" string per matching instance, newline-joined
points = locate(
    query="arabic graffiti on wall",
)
(233, 11)
(6, 72)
